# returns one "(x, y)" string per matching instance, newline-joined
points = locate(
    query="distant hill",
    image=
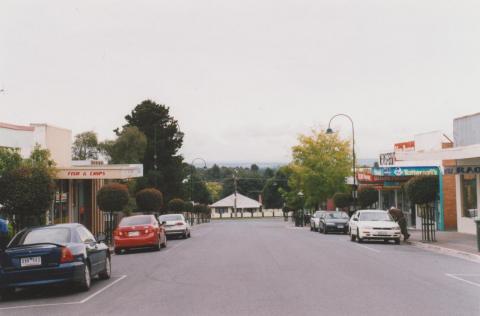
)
(274, 165)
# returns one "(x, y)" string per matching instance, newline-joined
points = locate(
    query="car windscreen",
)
(136, 220)
(57, 235)
(337, 215)
(168, 218)
(375, 216)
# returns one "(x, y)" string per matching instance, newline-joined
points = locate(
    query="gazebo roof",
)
(242, 202)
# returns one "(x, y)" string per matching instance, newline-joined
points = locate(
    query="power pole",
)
(235, 193)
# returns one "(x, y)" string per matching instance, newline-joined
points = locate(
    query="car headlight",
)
(367, 227)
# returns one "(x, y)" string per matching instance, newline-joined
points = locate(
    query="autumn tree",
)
(321, 162)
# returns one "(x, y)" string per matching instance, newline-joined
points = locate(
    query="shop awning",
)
(106, 172)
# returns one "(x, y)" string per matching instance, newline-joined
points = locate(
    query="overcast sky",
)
(243, 78)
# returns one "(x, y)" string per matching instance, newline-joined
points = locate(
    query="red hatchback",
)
(139, 231)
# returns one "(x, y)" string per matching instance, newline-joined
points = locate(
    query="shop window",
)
(469, 195)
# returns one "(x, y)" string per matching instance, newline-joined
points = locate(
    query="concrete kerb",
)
(446, 251)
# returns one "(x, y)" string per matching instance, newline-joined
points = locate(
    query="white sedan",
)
(373, 224)
(175, 225)
(315, 219)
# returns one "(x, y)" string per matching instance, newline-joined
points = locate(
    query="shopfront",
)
(392, 193)
(76, 191)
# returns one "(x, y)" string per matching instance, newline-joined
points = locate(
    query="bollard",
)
(477, 221)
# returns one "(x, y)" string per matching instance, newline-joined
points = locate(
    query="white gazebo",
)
(226, 207)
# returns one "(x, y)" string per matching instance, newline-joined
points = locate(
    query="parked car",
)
(315, 219)
(334, 222)
(139, 231)
(175, 225)
(373, 224)
(64, 253)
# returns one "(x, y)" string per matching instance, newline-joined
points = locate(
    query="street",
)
(268, 267)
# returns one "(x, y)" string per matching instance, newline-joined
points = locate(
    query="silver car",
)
(175, 225)
(314, 220)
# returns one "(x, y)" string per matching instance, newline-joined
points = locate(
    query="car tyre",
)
(325, 229)
(397, 241)
(7, 293)
(86, 281)
(107, 273)
(117, 251)
(359, 240)
(189, 234)
(158, 245)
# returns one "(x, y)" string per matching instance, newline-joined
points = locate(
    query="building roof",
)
(16, 127)
(242, 202)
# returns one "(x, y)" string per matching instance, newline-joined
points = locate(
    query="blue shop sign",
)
(405, 171)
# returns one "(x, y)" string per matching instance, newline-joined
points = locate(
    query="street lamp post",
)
(330, 131)
(301, 220)
(191, 181)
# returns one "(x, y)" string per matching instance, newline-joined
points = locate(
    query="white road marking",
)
(457, 277)
(67, 303)
(371, 249)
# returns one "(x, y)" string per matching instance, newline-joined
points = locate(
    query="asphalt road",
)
(266, 267)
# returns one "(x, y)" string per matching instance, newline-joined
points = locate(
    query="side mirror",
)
(163, 223)
(355, 219)
(101, 237)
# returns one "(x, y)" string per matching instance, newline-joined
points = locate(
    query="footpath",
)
(449, 243)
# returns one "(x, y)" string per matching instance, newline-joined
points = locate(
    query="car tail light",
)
(179, 224)
(67, 255)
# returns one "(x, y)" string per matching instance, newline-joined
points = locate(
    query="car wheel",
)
(164, 245)
(352, 236)
(184, 236)
(107, 273)
(325, 229)
(359, 240)
(7, 293)
(117, 251)
(158, 245)
(397, 241)
(85, 282)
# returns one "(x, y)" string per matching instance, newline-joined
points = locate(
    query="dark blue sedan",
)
(65, 253)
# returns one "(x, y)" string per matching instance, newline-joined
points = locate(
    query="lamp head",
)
(329, 131)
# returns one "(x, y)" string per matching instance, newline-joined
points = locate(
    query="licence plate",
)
(382, 233)
(340, 226)
(30, 262)
(133, 234)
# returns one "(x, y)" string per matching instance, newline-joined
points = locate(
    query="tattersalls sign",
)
(405, 171)
(463, 170)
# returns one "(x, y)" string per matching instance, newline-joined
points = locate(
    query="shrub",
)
(149, 200)
(176, 206)
(112, 197)
(342, 200)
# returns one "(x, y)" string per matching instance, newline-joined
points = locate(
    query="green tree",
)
(162, 163)
(9, 159)
(214, 189)
(176, 206)
(85, 146)
(272, 191)
(321, 162)
(26, 187)
(422, 190)
(342, 200)
(149, 200)
(367, 196)
(129, 147)
(112, 198)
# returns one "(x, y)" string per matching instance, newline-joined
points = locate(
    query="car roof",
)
(66, 225)
(372, 211)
